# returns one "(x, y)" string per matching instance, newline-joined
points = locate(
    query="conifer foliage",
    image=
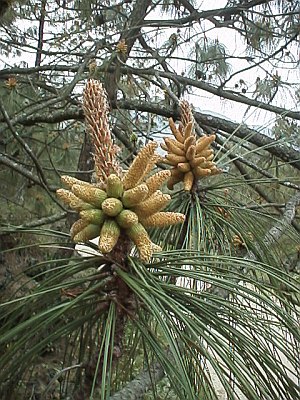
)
(149, 248)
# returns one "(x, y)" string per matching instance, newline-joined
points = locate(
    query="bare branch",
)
(23, 171)
(136, 388)
(284, 152)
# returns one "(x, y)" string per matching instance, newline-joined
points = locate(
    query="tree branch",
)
(34, 224)
(136, 388)
(173, 77)
(197, 15)
(214, 90)
(270, 238)
(285, 153)
(23, 171)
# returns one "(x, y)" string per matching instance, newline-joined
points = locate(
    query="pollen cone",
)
(109, 236)
(73, 201)
(156, 202)
(162, 219)
(134, 196)
(77, 227)
(69, 181)
(94, 216)
(90, 194)
(91, 231)
(138, 234)
(190, 158)
(137, 169)
(155, 181)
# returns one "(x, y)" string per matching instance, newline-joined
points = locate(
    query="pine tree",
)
(192, 289)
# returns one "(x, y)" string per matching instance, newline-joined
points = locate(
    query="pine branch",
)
(285, 153)
(34, 224)
(23, 171)
(136, 389)
(226, 94)
(219, 143)
(260, 191)
(25, 146)
(196, 15)
(273, 235)
(288, 216)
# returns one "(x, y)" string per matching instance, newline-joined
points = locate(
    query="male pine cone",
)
(123, 206)
(191, 158)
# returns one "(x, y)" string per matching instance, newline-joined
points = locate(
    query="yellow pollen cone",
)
(153, 160)
(73, 201)
(184, 167)
(190, 153)
(90, 232)
(205, 153)
(197, 161)
(176, 143)
(145, 252)
(114, 186)
(109, 236)
(77, 227)
(181, 129)
(188, 131)
(127, 218)
(112, 206)
(177, 134)
(138, 234)
(207, 165)
(90, 194)
(211, 157)
(204, 142)
(94, 216)
(173, 147)
(174, 159)
(69, 181)
(156, 248)
(162, 219)
(176, 177)
(136, 171)
(200, 172)
(155, 181)
(156, 202)
(190, 141)
(132, 197)
(188, 181)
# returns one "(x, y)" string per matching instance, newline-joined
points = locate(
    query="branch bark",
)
(214, 90)
(283, 152)
(23, 171)
(226, 94)
(136, 388)
(197, 15)
(41, 34)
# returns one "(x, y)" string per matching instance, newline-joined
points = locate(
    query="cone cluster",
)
(190, 158)
(237, 241)
(126, 205)
(122, 47)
